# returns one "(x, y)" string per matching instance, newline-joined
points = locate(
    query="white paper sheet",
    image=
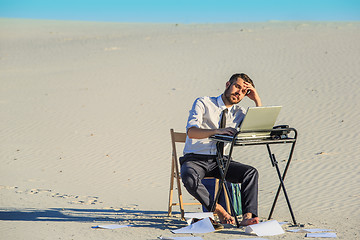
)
(321, 235)
(180, 238)
(311, 230)
(269, 228)
(111, 226)
(251, 239)
(189, 216)
(202, 226)
(283, 223)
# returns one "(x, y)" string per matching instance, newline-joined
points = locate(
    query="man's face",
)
(235, 91)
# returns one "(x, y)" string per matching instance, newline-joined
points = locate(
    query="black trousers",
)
(194, 167)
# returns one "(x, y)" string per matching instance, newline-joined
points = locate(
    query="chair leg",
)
(216, 187)
(171, 191)
(217, 183)
(227, 200)
(177, 176)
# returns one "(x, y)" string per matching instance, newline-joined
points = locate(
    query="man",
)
(199, 158)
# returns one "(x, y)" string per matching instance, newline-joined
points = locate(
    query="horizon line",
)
(178, 22)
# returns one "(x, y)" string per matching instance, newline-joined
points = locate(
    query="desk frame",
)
(224, 163)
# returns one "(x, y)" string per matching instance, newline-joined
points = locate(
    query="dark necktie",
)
(222, 125)
(223, 118)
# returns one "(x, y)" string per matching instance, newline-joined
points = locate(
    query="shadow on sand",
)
(137, 218)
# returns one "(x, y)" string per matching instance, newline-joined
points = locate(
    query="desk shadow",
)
(136, 218)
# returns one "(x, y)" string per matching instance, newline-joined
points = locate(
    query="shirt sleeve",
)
(196, 114)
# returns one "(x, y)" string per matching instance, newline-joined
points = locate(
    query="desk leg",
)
(222, 181)
(282, 185)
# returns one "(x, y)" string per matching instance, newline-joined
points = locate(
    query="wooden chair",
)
(178, 137)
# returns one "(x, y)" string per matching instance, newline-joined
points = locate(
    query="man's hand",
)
(252, 94)
(227, 131)
(198, 133)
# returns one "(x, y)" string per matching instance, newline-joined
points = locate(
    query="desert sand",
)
(86, 109)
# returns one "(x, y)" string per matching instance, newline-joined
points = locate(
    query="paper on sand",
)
(269, 228)
(111, 226)
(180, 238)
(321, 235)
(251, 239)
(190, 216)
(311, 230)
(202, 226)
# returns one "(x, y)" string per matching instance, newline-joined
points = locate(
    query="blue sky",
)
(183, 11)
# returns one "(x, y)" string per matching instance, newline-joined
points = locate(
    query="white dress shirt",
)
(206, 114)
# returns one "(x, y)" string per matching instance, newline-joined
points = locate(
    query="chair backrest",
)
(176, 137)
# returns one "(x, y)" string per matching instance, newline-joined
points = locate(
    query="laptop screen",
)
(259, 118)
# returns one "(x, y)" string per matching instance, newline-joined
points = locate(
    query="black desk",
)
(223, 163)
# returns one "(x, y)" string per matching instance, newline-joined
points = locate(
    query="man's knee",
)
(253, 172)
(189, 178)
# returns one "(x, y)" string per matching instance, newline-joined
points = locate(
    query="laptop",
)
(256, 119)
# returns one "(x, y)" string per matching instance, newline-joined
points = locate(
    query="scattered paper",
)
(202, 226)
(111, 226)
(180, 238)
(321, 235)
(312, 230)
(283, 223)
(269, 228)
(251, 239)
(190, 216)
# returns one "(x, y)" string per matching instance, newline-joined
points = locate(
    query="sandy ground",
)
(86, 110)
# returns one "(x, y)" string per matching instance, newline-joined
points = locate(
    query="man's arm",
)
(198, 133)
(253, 94)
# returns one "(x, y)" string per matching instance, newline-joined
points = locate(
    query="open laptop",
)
(256, 119)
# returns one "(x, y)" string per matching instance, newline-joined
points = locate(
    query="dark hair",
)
(243, 76)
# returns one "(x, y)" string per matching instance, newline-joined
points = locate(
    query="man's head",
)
(243, 76)
(235, 89)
